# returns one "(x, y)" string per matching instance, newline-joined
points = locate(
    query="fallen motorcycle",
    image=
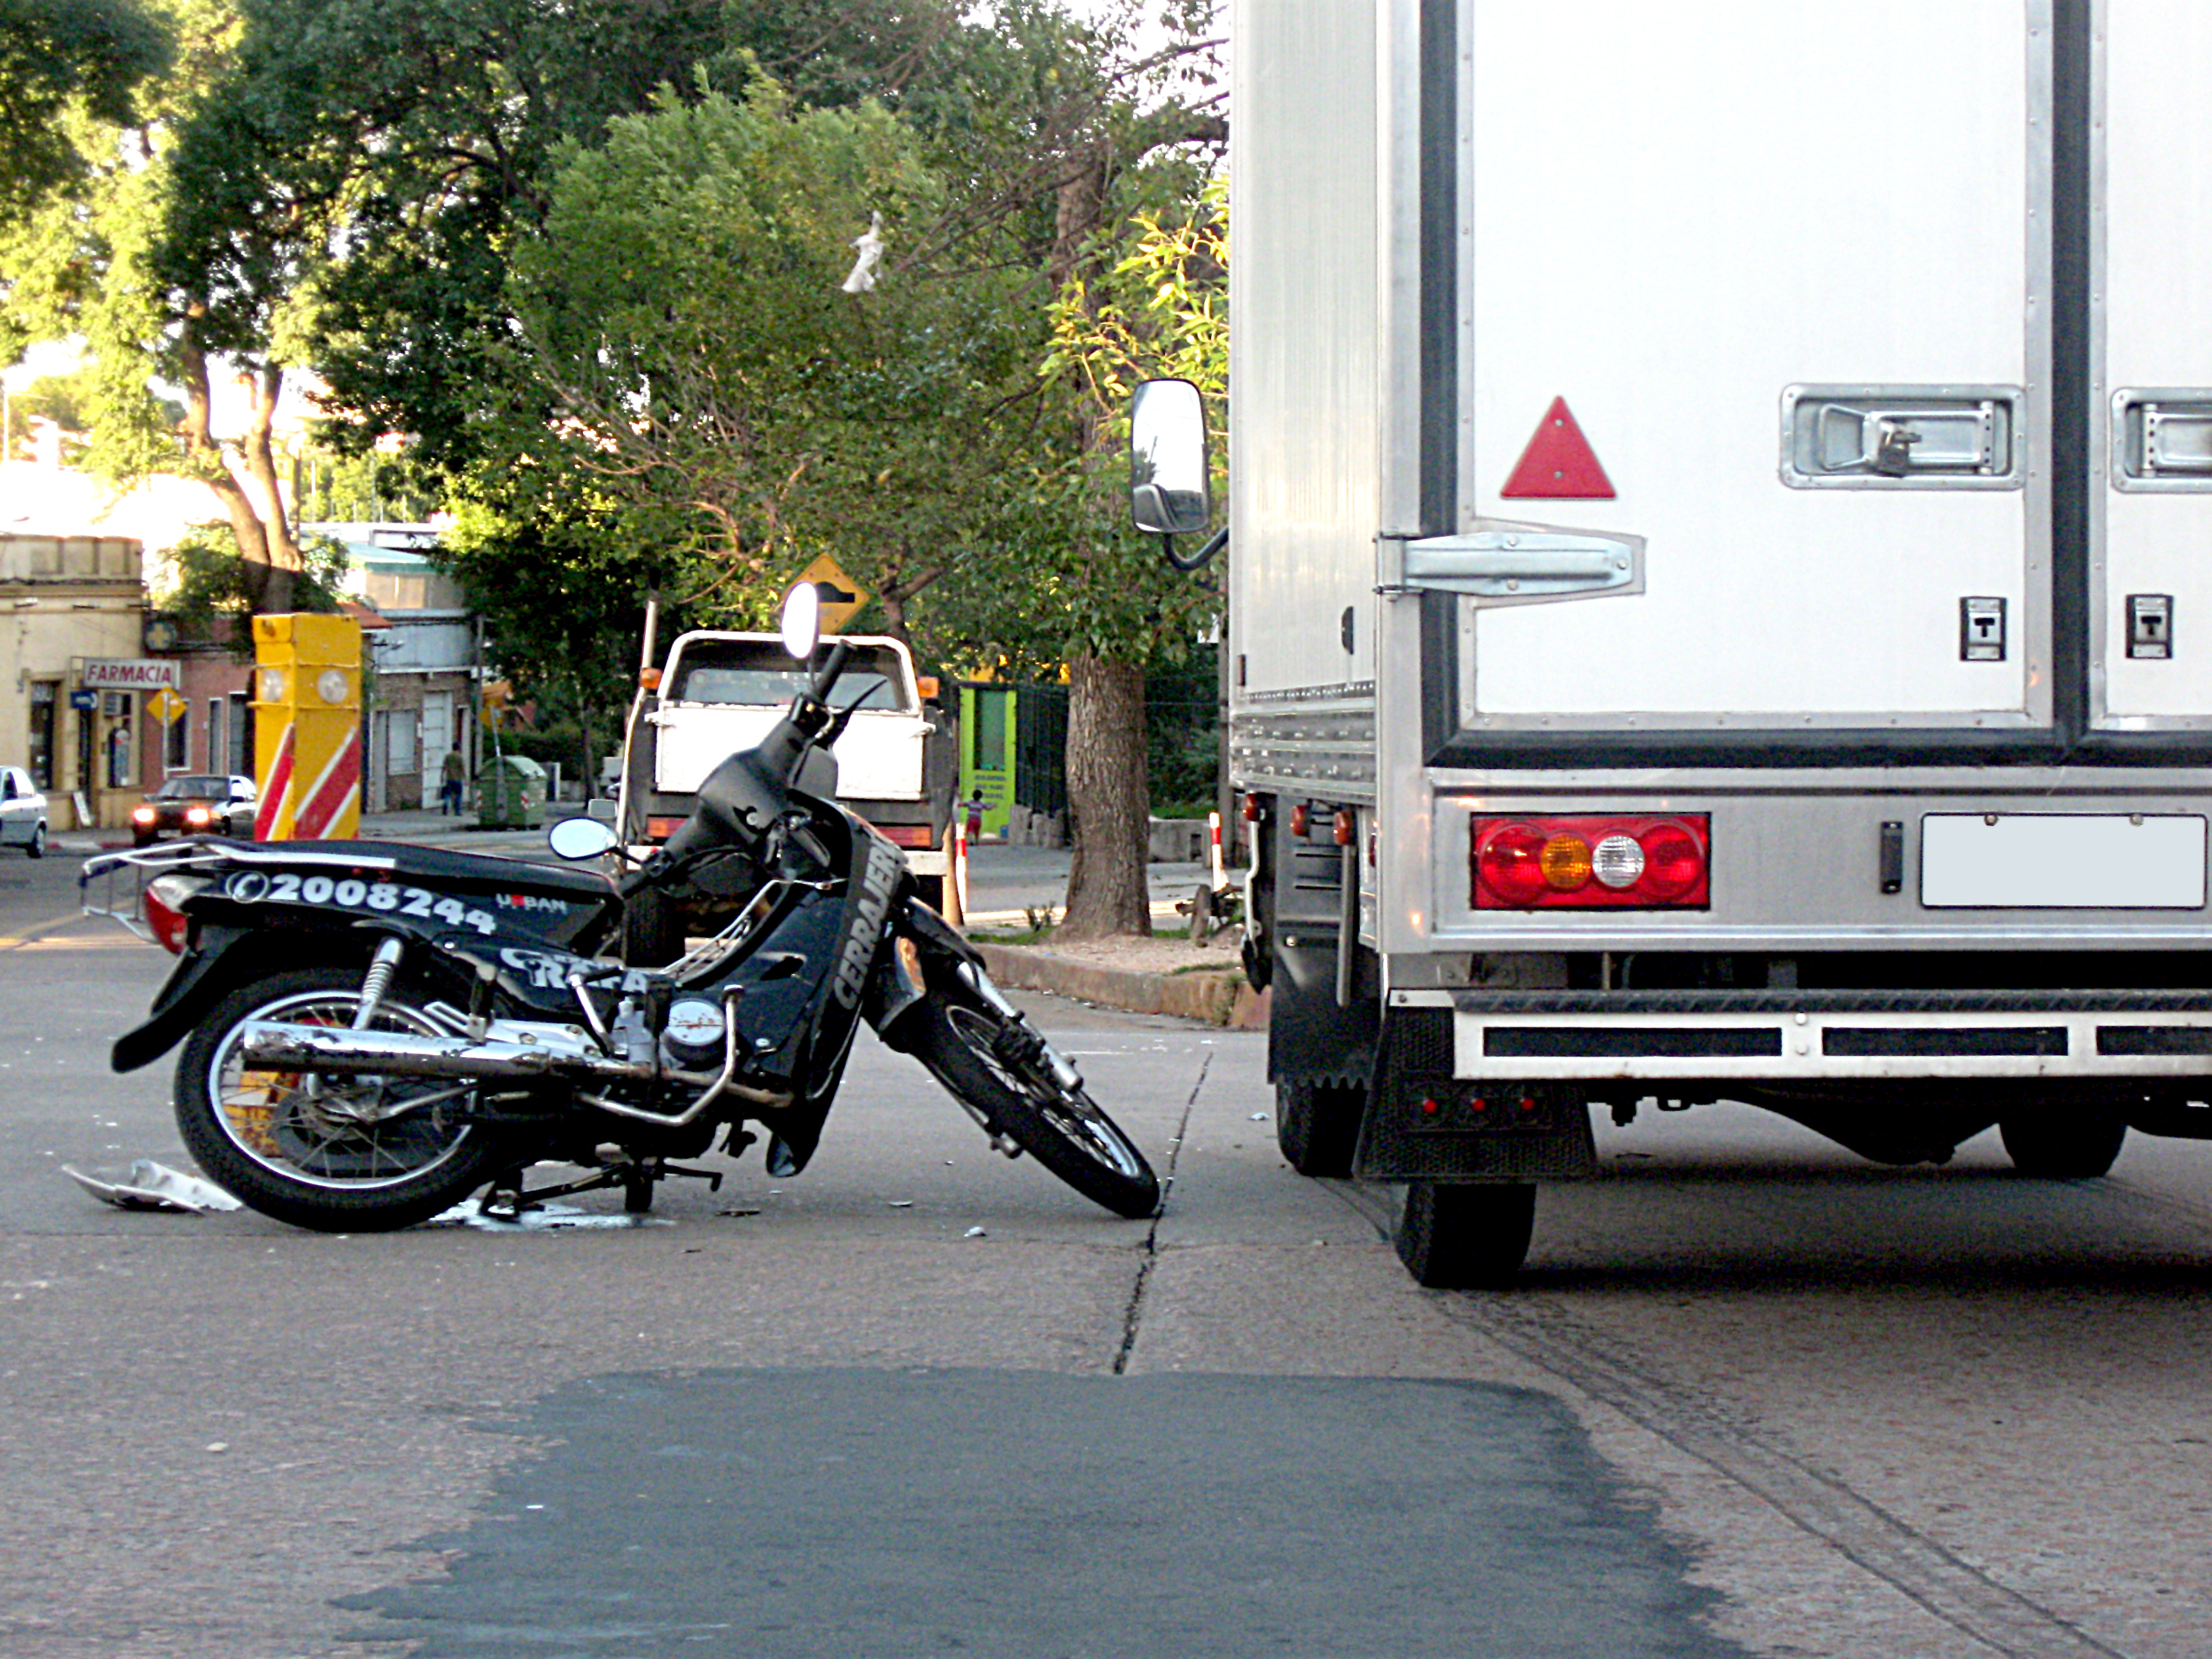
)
(372, 1030)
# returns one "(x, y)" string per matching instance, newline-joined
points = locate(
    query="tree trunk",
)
(264, 532)
(1108, 799)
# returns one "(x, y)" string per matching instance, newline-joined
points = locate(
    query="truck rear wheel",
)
(2061, 1144)
(1457, 1236)
(1317, 1127)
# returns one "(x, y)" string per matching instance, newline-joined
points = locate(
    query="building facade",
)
(81, 695)
(420, 681)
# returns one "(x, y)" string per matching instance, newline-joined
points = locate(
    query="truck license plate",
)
(2061, 861)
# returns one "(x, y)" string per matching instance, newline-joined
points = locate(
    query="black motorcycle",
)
(372, 1030)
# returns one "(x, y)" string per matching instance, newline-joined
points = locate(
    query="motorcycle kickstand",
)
(639, 1180)
(504, 1199)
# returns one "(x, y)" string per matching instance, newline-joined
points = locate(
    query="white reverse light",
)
(1617, 862)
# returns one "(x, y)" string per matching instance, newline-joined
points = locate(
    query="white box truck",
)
(1720, 578)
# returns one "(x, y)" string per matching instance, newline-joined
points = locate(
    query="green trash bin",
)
(511, 793)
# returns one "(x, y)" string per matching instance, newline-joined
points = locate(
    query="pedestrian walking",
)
(455, 777)
(976, 805)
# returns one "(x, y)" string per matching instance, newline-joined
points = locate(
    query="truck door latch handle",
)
(1520, 564)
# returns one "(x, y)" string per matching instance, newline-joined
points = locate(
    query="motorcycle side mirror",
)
(802, 621)
(581, 838)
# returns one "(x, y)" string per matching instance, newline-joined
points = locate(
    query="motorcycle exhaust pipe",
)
(335, 1050)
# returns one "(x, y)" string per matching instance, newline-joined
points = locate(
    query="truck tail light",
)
(907, 834)
(661, 829)
(1618, 863)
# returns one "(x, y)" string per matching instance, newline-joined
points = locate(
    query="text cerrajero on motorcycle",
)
(373, 1029)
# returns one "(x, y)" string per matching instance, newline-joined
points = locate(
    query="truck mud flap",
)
(1311, 1038)
(1424, 1124)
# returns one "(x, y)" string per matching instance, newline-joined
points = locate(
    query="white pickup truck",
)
(897, 765)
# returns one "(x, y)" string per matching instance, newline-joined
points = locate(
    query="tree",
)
(100, 262)
(216, 588)
(684, 308)
(1158, 310)
(65, 66)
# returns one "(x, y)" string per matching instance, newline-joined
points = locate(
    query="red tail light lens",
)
(1592, 863)
(163, 908)
(1509, 870)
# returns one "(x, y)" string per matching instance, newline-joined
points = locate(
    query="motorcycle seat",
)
(436, 864)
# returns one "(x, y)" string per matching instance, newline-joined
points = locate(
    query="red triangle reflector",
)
(1559, 462)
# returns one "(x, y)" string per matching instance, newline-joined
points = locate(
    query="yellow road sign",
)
(166, 705)
(841, 597)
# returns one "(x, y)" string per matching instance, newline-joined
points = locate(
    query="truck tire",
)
(1461, 1236)
(651, 931)
(1317, 1127)
(2057, 1144)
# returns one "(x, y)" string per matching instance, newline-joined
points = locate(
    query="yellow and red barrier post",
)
(306, 728)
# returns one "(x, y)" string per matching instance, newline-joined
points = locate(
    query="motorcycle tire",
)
(651, 931)
(998, 1066)
(268, 1137)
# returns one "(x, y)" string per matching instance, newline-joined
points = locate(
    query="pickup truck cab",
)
(719, 692)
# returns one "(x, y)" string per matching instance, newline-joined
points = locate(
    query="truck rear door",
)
(2151, 340)
(1769, 288)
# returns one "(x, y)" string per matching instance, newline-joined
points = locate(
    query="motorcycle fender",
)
(899, 984)
(934, 934)
(895, 987)
(194, 987)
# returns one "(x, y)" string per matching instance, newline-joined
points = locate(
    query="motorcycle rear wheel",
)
(281, 1141)
(998, 1066)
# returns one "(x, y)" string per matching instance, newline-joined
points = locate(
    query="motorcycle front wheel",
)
(326, 1152)
(999, 1064)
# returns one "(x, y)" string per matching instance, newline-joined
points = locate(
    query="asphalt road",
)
(1754, 1396)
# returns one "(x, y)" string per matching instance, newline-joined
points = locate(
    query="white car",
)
(22, 812)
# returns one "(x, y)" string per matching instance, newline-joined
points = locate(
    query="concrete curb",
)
(1213, 997)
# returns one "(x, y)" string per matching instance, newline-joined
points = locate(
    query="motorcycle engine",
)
(692, 1039)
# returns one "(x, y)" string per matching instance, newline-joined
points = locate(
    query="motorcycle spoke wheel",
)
(326, 1150)
(999, 1068)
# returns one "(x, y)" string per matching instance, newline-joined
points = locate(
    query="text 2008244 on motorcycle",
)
(372, 1030)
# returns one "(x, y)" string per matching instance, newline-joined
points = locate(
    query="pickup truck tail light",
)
(1614, 862)
(907, 834)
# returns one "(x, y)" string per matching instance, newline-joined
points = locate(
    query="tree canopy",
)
(64, 64)
(587, 261)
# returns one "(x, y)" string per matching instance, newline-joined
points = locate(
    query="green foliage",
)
(66, 66)
(562, 608)
(214, 591)
(722, 394)
(77, 267)
(1182, 734)
(1156, 305)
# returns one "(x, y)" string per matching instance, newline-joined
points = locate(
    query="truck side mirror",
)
(1168, 481)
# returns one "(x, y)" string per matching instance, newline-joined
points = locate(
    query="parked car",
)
(22, 812)
(198, 803)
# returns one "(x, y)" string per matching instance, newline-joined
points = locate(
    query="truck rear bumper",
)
(1807, 1036)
